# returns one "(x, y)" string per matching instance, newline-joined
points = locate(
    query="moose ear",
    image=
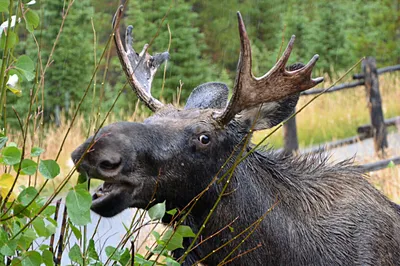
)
(212, 95)
(271, 113)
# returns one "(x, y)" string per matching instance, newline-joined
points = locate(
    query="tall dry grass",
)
(387, 181)
(337, 115)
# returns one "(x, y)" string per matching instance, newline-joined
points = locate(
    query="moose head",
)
(175, 154)
(180, 151)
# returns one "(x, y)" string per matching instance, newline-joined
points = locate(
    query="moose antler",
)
(277, 84)
(139, 68)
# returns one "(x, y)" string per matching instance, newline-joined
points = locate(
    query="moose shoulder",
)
(310, 212)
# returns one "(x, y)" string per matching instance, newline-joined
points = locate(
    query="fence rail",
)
(334, 88)
(379, 70)
(367, 131)
(377, 129)
(375, 166)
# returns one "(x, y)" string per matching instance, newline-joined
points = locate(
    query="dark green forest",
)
(204, 44)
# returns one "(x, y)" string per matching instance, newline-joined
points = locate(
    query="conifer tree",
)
(187, 44)
(72, 62)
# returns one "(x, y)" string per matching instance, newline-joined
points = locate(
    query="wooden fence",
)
(377, 129)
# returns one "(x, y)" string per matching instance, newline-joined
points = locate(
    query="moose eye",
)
(204, 139)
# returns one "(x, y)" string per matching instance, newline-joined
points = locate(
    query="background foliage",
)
(204, 42)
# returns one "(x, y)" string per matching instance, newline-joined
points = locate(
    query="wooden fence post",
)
(291, 143)
(375, 103)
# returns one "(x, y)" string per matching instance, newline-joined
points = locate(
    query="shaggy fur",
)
(315, 213)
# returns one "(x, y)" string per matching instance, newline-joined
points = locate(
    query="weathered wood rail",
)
(377, 129)
(366, 131)
(376, 166)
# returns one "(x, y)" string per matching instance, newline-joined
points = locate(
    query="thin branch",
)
(241, 254)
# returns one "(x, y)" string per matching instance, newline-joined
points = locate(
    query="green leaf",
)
(11, 38)
(157, 211)
(81, 219)
(140, 260)
(52, 221)
(44, 247)
(92, 262)
(23, 243)
(125, 257)
(83, 186)
(11, 155)
(156, 234)
(32, 20)
(25, 62)
(172, 212)
(3, 237)
(75, 255)
(75, 230)
(92, 253)
(171, 262)
(29, 235)
(159, 249)
(4, 5)
(3, 140)
(22, 211)
(27, 195)
(16, 227)
(114, 253)
(36, 151)
(26, 67)
(174, 240)
(8, 249)
(391, 164)
(40, 227)
(184, 231)
(15, 262)
(51, 229)
(28, 167)
(78, 203)
(82, 178)
(49, 168)
(47, 258)
(31, 258)
(49, 210)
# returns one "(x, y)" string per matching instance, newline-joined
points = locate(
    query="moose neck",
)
(279, 189)
(245, 193)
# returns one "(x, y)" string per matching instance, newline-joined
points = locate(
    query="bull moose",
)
(311, 212)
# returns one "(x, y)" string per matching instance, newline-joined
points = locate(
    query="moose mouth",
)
(111, 198)
(104, 192)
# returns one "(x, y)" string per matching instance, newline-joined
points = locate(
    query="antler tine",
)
(277, 84)
(139, 68)
(244, 63)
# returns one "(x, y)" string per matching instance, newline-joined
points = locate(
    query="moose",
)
(310, 211)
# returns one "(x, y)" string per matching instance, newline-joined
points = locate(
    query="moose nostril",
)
(109, 165)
